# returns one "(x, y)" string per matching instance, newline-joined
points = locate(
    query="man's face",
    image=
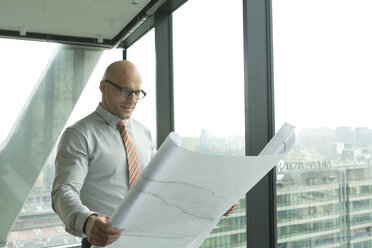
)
(114, 102)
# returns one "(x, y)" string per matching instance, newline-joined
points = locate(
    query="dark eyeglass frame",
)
(137, 93)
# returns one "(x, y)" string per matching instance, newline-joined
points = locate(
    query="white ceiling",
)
(78, 18)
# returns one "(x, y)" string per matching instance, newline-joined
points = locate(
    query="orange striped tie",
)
(134, 169)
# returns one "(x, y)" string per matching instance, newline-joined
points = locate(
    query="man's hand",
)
(99, 232)
(228, 212)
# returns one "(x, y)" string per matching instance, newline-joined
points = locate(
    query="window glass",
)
(91, 95)
(142, 54)
(19, 76)
(322, 61)
(54, 89)
(209, 92)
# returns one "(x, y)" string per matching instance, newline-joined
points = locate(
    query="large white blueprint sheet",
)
(181, 195)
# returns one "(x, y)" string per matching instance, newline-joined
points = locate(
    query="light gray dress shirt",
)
(91, 173)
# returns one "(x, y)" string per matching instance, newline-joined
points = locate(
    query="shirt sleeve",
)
(71, 168)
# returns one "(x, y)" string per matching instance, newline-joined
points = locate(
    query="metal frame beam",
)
(166, 9)
(164, 75)
(64, 39)
(259, 112)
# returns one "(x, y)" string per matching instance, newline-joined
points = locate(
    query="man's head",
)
(124, 74)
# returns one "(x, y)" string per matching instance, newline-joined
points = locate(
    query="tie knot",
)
(121, 123)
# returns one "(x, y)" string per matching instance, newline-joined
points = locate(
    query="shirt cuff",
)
(81, 218)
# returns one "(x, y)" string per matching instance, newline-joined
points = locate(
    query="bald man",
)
(91, 168)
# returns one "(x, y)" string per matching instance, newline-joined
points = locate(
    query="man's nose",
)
(132, 97)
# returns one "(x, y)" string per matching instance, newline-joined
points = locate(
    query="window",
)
(142, 54)
(209, 92)
(20, 76)
(47, 79)
(322, 56)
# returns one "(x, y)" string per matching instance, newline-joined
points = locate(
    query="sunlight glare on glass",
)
(208, 70)
(322, 62)
(22, 66)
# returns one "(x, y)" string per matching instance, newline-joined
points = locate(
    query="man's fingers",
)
(235, 206)
(97, 240)
(107, 233)
(106, 228)
(228, 212)
(102, 234)
(109, 230)
(102, 239)
(98, 235)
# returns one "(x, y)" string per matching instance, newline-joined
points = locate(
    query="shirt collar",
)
(110, 118)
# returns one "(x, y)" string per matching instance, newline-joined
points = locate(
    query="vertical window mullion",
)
(259, 113)
(164, 75)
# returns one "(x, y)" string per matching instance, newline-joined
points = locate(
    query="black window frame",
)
(259, 102)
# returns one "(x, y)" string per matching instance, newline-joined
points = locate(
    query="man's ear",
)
(102, 86)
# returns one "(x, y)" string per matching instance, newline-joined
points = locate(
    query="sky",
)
(322, 62)
(322, 68)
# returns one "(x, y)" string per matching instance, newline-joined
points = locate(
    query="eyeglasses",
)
(138, 94)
